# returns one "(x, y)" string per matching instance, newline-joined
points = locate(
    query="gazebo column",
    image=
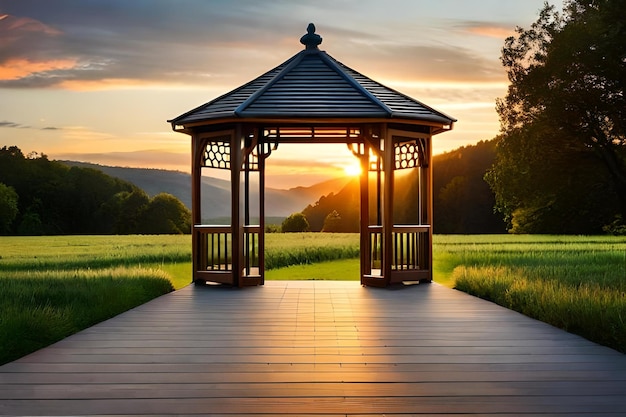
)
(236, 221)
(253, 239)
(387, 209)
(426, 215)
(199, 248)
(365, 238)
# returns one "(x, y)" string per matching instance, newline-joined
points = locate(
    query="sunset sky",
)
(96, 80)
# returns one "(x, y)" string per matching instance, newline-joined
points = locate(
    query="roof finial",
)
(311, 39)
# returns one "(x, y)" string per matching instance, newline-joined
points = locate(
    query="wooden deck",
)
(318, 348)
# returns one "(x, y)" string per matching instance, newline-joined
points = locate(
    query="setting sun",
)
(352, 170)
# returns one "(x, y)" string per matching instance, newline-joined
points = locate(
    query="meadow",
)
(577, 283)
(55, 286)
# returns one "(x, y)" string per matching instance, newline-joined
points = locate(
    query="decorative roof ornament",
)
(311, 40)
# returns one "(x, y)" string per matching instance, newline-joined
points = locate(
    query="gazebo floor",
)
(318, 348)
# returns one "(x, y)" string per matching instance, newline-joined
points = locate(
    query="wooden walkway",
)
(312, 348)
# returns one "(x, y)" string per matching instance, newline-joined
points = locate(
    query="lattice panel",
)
(217, 155)
(409, 155)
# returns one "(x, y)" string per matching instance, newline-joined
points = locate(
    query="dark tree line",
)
(463, 202)
(561, 157)
(43, 197)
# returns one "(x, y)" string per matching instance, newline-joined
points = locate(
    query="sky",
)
(97, 80)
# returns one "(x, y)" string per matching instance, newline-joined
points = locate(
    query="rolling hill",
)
(216, 192)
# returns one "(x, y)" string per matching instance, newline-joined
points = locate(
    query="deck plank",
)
(318, 348)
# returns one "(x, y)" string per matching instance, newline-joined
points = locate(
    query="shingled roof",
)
(312, 84)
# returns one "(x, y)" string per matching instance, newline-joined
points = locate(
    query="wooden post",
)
(236, 223)
(388, 170)
(261, 151)
(197, 245)
(428, 193)
(366, 250)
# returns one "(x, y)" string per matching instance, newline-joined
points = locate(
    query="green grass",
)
(577, 283)
(38, 308)
(54, 286)
(18, 253)
(286, 249)
(341, 270)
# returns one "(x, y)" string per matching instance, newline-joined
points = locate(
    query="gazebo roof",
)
(313, 85)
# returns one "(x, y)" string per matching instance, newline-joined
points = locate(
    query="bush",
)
(617, 227)
(296, 223)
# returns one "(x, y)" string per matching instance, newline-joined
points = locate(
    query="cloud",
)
(488, 29)
(145, 41)
(428, 63)
(21, 126)
(104, 44)
(115, 43)
(14, 125)
(20, 68)
(10, 124)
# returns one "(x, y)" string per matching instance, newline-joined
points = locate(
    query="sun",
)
(352, 170)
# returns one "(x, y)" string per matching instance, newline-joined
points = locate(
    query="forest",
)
(43, 197)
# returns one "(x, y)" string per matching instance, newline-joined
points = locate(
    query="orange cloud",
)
(110, 84)
(491, 31)
(17, 68)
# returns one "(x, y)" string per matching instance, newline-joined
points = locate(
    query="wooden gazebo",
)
(313, 98)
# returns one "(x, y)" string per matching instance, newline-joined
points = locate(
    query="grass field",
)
(577, 283)
(55, 286)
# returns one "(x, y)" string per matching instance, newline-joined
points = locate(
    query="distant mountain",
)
(216, 192)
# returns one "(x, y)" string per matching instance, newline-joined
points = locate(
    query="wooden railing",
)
(251, 258)
(215, 244)
(409, 248)
(215, 248)
(376, 249)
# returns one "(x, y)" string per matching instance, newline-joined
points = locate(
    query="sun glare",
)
(352, 170)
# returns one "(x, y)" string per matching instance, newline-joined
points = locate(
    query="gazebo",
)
(313, 98)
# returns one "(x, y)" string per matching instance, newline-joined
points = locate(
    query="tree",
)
(335, 224)
(295, 223)
(561, 158)
(8, 207)
(165, 214)
(123, 212)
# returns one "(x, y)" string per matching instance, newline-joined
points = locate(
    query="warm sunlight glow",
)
(352, 170)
